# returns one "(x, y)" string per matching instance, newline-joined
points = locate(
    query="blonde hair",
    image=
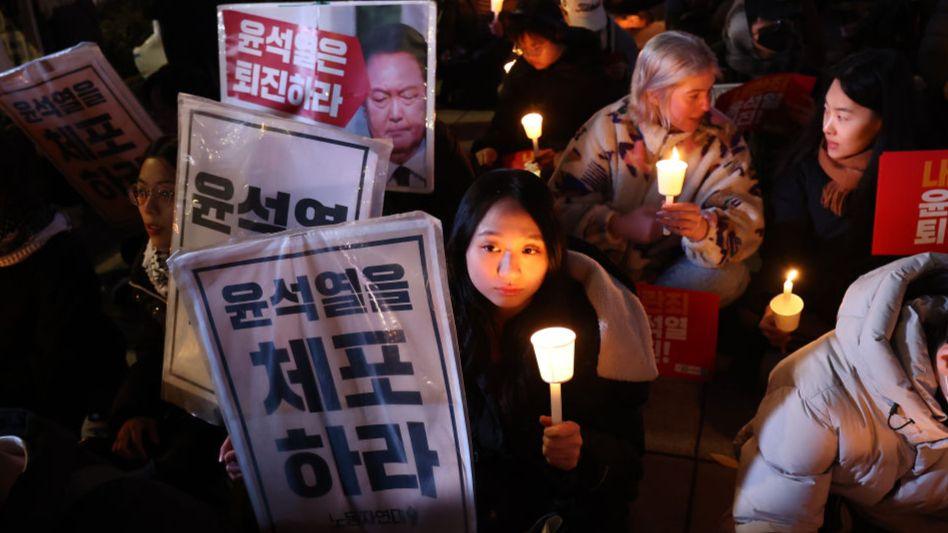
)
(666, 60)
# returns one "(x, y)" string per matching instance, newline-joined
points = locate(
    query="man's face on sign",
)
(397, 104)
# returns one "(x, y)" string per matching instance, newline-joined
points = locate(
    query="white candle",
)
(671, 178)
(554, 348)
(556, 403)
(787, 306)
(533, 126)
(496, 6)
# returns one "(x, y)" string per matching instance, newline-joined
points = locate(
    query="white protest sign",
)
(80, 114)
(243, 173)
(367, 66)
(334, 358)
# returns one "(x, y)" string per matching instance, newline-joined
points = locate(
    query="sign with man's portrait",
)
(367, 67)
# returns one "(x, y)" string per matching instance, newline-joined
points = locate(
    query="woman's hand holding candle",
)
(561, 443)
(684, 219)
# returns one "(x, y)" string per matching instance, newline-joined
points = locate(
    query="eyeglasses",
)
(139, 194)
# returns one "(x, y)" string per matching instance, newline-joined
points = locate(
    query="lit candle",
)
(509, 65)
(554, 348)
(787, 306)
(496, 6)
(788, 285)
(533, 126)
(671, 178)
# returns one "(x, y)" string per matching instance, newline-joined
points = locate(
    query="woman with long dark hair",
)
(511, 276)
(824, 198)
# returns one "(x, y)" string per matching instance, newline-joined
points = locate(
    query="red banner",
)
(774, 99)
(296, 69)
(684, 330)
(911, 203)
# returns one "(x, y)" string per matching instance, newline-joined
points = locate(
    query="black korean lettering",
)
(100, 131)
(346, 460)
(391, 365)
(88, 93)
(244, 299)
(310, 212)
(69, 144)
(376, 460)
(280, 206)
(214, 199)
(387, 289)
(319, 480)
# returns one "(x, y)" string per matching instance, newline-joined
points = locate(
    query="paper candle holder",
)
(787, 309)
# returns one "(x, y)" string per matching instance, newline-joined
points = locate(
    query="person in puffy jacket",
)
(859, 414)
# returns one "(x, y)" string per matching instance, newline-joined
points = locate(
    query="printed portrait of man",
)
(396, 64)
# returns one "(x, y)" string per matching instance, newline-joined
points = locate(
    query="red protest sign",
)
(684, 330)
(76, 109)
(911, 203)
(774, 99)
(296, 69)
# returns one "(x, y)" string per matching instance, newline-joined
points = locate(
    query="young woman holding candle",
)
(608, 193)
(560, 75)
(824, 198)
(511, 277)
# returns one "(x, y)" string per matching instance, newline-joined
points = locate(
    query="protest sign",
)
(243, 173)
(366, 66)
(774, 100)
(684, 330)
(337, 372)
(911, 203)
(80, 114)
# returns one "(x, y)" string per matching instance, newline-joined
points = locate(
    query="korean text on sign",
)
(296, 69)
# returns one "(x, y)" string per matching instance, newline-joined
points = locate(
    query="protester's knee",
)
(729, 282)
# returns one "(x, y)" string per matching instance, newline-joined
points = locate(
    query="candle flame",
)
(792, 274)
(675, 155)
(508, 66)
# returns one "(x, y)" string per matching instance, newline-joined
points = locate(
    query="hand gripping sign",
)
(330, 63)
(242, 174)
(85, 120)
(333, 355)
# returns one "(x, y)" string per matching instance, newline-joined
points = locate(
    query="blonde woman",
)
(607, 191)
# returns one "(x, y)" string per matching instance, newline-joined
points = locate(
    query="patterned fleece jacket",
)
(596, 180)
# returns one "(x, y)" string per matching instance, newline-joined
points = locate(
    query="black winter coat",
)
(514, 486)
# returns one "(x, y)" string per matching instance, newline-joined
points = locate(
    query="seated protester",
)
(762, 37)
(617, 45)
(858, 415)
(512, 276)
(452, 176)
(824, 200)
(559, 75)
(62, 357)
(182, 447)
(607, 190)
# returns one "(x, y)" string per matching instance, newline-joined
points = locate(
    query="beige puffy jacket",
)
(855, 414)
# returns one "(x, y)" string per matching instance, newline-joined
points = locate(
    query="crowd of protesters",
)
(852, 430)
